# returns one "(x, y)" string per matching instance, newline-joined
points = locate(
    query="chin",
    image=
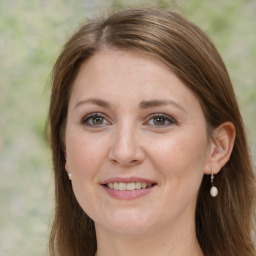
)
(128, 229)
(127, 224)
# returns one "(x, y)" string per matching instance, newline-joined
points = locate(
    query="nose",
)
(126, 148)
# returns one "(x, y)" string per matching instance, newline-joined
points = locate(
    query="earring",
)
(70, 175)
(214, 190)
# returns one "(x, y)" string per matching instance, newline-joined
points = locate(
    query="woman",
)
(149, 150)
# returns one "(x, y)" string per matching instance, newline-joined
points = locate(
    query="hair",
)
(225, 224)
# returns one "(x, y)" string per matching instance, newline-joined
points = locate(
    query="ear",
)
(67, 166)
(221, 147)
(66, 163)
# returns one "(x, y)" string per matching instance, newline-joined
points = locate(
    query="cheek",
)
(181, 159)
(85, 153)
(181, 150)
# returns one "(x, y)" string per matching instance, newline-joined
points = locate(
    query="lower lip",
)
(127, 194)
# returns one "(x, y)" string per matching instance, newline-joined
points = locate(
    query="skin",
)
(128, 138)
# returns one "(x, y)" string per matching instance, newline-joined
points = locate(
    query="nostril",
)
(125, 163)
(126, 149)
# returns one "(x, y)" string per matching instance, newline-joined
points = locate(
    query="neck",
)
(178, 240)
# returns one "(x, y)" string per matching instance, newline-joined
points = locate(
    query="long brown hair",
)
(225, 224)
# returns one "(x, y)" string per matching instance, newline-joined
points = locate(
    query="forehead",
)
(128, 76)
(125, 62)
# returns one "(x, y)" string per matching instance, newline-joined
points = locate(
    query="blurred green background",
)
(32, 33)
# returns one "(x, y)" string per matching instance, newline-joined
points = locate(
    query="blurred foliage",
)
(32, 34)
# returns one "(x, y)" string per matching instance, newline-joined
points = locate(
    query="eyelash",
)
(165, 118)
(85, 120)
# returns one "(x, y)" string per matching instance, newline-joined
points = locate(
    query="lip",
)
(127, 194)
(128, 180)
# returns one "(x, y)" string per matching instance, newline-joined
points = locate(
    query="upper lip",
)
(127, 180)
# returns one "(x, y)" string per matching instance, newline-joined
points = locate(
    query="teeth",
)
(116, 186)
(143, 185)
(111, 185)
(138, 185)
(128, 186)
(122, 186)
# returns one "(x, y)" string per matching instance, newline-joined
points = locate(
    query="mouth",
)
(129, 186)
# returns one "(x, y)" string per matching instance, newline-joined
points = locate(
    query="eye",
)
(94, 119)
(161, 120)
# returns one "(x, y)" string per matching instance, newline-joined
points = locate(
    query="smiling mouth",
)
(122, 186)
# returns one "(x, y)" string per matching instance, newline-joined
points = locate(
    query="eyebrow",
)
(94, 101)
(157, 103)
(143, 104)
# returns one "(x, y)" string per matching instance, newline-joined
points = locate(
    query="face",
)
(136, 143)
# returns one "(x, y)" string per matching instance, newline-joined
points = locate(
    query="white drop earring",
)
(70, 175)
(214, 190)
